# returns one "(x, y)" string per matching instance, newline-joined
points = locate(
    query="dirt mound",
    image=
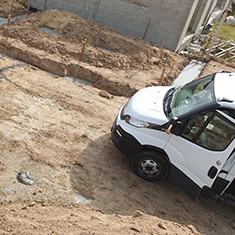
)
(18, 8)
(108, 47)
(108, 55)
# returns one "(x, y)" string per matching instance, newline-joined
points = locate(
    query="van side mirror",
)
(175, 124)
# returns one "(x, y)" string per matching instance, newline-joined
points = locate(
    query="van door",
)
(226, 176)
(199, 153)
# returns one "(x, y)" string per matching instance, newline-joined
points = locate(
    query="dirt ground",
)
(59, 132)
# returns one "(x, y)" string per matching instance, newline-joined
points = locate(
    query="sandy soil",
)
(59, 132)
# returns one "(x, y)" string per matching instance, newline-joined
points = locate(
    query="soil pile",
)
(18, 8)
(113, 49)
(113, 61)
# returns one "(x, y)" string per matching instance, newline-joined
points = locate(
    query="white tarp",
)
(189, 73)
(231, 20)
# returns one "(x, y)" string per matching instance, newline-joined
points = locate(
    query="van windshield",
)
(193, 96)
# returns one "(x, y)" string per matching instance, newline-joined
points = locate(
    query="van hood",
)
(147, 105)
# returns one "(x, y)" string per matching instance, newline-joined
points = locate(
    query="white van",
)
(185, 132)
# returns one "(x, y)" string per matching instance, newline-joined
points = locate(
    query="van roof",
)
(224, 87)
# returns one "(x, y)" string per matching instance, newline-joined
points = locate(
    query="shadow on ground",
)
(103, 176)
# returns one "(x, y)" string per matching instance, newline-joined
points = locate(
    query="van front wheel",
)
(150, 166)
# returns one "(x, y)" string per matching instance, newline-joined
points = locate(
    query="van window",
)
(193, 96)
(230, 112)
(211, 131)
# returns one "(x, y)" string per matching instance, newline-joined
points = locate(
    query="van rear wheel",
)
(150, 165)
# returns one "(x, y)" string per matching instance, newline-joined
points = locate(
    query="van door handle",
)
(212, 172)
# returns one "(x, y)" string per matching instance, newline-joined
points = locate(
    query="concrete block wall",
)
(166, 27)
(222, 4)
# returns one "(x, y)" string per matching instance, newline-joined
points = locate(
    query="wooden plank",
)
(224, 51)
(217, 46)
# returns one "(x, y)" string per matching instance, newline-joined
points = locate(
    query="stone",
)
(137, 213)
(24, 178)
(162, 226)
(105, 94)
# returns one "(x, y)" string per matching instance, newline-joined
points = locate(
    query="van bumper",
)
(123, 141)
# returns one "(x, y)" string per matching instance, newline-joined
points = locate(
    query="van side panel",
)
(181, 180)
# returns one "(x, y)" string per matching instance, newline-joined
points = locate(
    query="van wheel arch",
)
(157, 150)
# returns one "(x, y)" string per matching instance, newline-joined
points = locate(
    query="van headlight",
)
(136, 122)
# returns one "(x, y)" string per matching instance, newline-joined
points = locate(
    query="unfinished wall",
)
(222, 3)
(132, 16)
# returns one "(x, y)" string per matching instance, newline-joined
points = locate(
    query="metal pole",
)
(218, 30)
(83, 47)
(147, 28)
(161, 79)
(8, 27)
(45, 5)
(172, 67)
(80, 57)
(205, 48)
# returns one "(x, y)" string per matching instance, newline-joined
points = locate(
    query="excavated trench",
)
(22, 58)
(72, 71)
(79, 73)
(117, 63)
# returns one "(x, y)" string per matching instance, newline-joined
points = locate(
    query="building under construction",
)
(170, 23)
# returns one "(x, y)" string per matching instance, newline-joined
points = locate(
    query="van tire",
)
(150, 165)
